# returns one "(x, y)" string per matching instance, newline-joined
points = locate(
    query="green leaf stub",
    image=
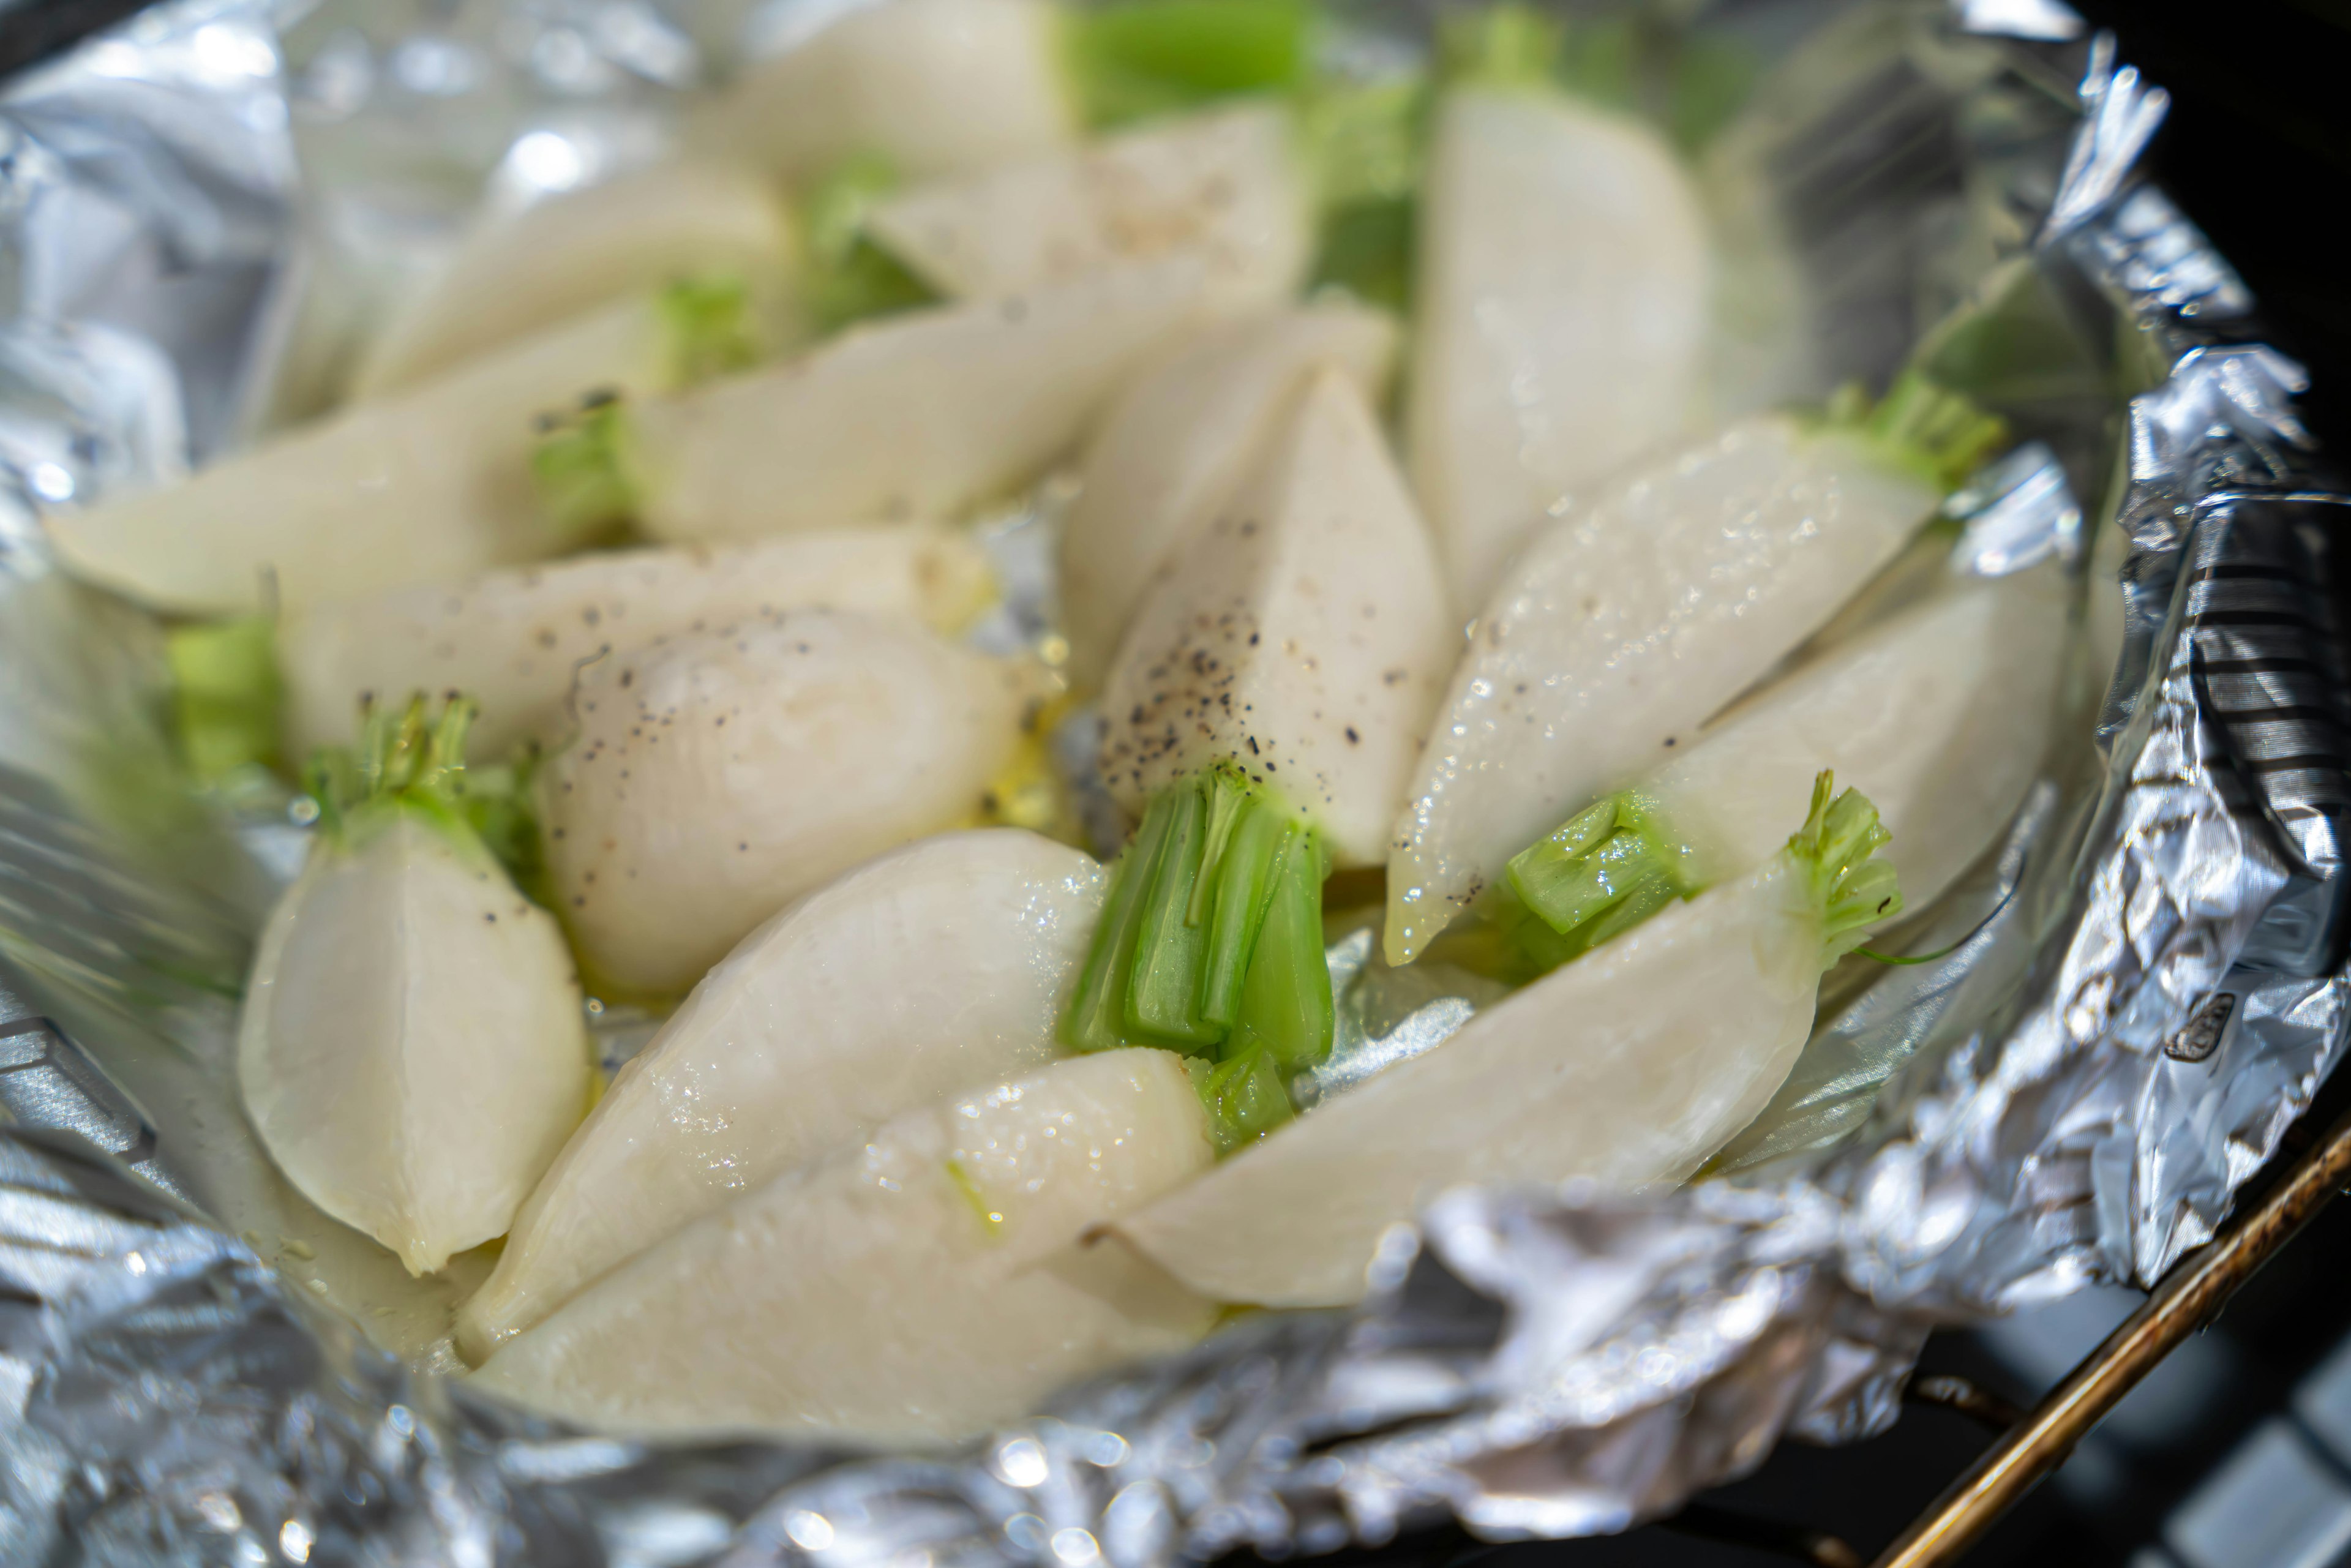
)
(1837, 849)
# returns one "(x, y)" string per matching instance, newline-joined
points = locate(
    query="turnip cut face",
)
(938, 969)
(717, 777)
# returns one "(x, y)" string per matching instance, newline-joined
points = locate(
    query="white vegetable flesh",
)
(1627, 1067)
(1174, 445)
(512, 641)
(921, 415)
(934, 971)
(924, 1286)
(432, 485)
(1560, 315)
(1940, 716)
(519, 272)
(935, 87)
(1623, 627)
(1304, 634)
(718, 776)
(412, 1049)
(1225, 183)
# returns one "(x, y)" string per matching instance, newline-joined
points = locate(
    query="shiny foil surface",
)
(197, 209)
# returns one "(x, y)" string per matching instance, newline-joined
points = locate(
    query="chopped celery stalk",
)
(1145, 57)
(581, 471)
(1163, 998)
(1501, 46)
(226, 694)
(1096, 1019)
(1285, 1001)
(1246, 1099)
(1244, 890)
(713, 331)
(1601, 874)
(848, 277)
(1919, 428)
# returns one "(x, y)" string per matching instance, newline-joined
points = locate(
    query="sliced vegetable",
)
(1627, 1068)
(518, 274)
(936, 87)
(718, 776)
(514, 639)
(919, 415)
(1302, 635)
(429, 486)
(1172, 447)
(1562, 282)
(935, 970)
(921, 1287)
(1225, 183)
(412, 1051)
(1629, 621)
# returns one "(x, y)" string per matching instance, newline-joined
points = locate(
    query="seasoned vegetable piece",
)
(1302, 634)
(1631, 620)
(1225, 183)
(515, 639)
(717, 777)
(935, 970)
(1627, 1067)
(1560, 318)
(937, 87)
(917, 415)
(924, 1286)
(1175, 444)
(412, 1049)
(432, 485)
(516, 274)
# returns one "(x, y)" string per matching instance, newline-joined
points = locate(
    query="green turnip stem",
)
(711, 327)
(1245, 1095)
(225, 695)
(581, 469)
(1145, 57)
(1837, 847)
(848, 277)
(1919, 428)
(1603, 871)
(1501, 46)
(1285, 1005)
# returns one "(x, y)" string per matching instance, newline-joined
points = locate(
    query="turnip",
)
(935, 970)
(1302, 634)
(919, 1288)
(717, 776)
(1225, 183)
(1631, 620)
(412, 1049)
(916, 416)
(1174, 445)
(1627, 1067)
(512, 640)
(1561, 314)
(517, 274)
(434, 484)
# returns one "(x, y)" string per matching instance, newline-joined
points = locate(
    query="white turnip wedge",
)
(1628, 1066)
(717, 777)
(920, 415)
(1560, 315)
(1225, 183)
(512, 640)
(935, 970)
(1633, 619)
(434, 484)
(1302, 634)
(935, 87)
(1177, 441)
(921, 1287)
(515, 273)
(412, 1049)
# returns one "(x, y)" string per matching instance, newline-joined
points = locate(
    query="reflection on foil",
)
(2139, 1002)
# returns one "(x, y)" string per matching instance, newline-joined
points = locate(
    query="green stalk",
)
(226, 695)
(1285, 1006)
(1096, 1018)
(1836, 849)
(711, 328)
(1504, 46)
(1918, 427)
(847, 277)
(407, 763)
(581, 469)
(1246, 1098)
(1244, 892)
(1134, 59)
(1601, 873)
(1163, 998)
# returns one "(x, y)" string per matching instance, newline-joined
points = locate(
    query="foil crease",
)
(2143, 997)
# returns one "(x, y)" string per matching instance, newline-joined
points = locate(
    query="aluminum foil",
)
(2141, 1001)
